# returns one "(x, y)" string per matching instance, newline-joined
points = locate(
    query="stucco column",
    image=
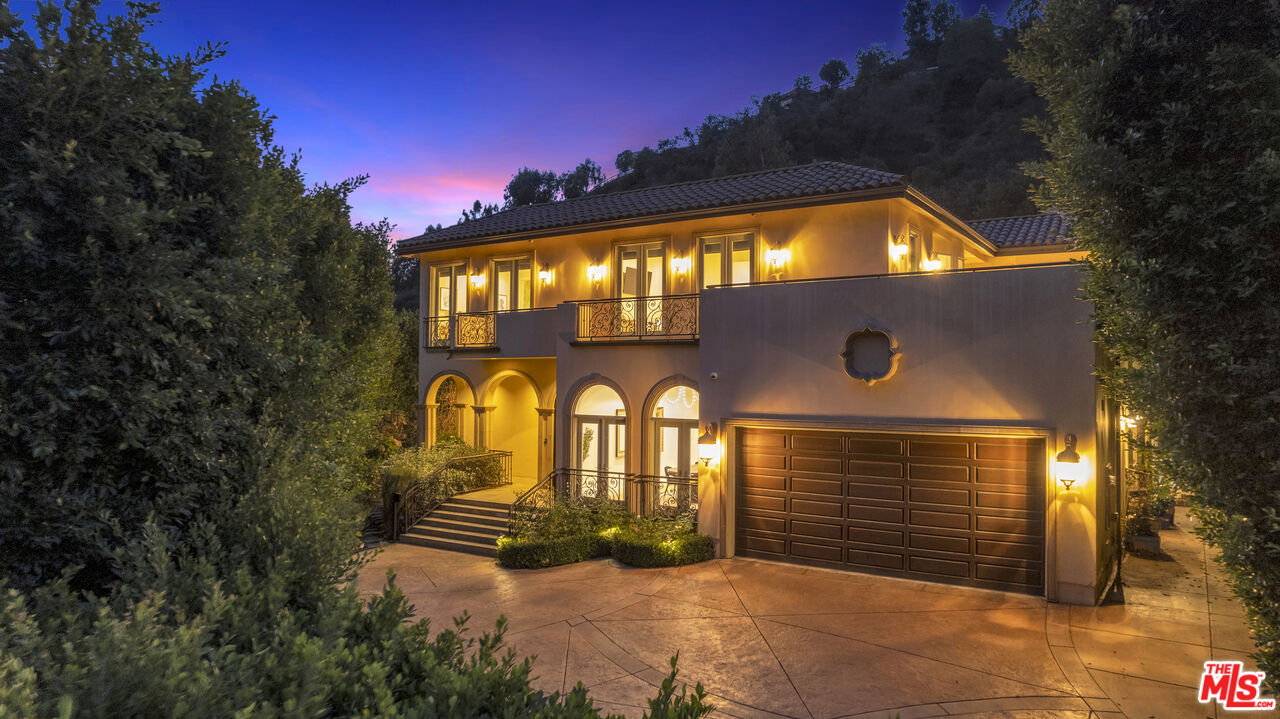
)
(546, 440)
(459, 414)
(427, 423)
(482, 424)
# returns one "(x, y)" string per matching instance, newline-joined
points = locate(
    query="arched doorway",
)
(512, 424)
(673, 420)
(447, 401)
(599, 451)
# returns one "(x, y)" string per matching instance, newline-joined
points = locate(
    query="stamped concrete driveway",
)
(769, 639)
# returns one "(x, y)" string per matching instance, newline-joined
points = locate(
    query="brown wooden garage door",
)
(951, 508)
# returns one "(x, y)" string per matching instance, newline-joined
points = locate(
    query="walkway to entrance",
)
(771, 639)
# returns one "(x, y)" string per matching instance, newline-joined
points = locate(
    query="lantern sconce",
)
(777, 258)
(546, 275)
(1068, 468)
(477, 280)
(898, 251)
(680, 265)
(595, 273)
(933, 264)
(708, 446)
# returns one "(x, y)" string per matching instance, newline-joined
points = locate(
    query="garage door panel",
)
(937, 507)
(877, 445)
(881, 537)
(862, 490)
(874, 560)
(935, 495)
(817, 530)
(938, 472)
(810, 442)
(826, 487)
(769, 502)
(940, 543)
(888, 515)
(819, 465)
(865, 468)
(815, 508)
(947, 520)
(762, 439)
(764, 523)
(938, 567)
(752, 480)
(763, 460)
(953, 449)
(824, 552)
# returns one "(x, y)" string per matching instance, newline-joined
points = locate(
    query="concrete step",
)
(486, 504)
(480, 548)
(464, 535)
(455, 514)
(464, 523)
(433, 526)
(453, 505)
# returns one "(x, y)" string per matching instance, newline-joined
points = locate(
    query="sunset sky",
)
(440, 103)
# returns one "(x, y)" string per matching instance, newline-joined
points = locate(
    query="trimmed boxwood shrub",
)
(535, 553)
(640, 550)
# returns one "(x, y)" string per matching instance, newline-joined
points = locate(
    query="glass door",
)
(675, 464)
(513, 284)
(600, 454)
(641, 276)
(448, 298)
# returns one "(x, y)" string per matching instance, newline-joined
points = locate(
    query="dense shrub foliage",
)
(574, 530)
(196, 358)
(1166, 152)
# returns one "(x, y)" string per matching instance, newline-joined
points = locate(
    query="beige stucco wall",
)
(990, 352)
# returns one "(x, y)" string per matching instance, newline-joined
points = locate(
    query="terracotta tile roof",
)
(813, 180)
(1042, 230)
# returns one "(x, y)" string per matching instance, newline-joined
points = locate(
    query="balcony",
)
(523, 333)
(670, 318)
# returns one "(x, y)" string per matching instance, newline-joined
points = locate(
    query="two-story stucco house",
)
(873, 384)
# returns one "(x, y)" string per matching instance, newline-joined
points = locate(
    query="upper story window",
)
(448, 289)
(642, 270)
(727, 259)
(513, 284)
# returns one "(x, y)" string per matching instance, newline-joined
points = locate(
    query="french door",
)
(641, 276)
(674, 464)
(600, 455)
(448, 298)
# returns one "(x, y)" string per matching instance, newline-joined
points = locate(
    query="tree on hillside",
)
(1165, 151)
(530, 187)
(834, 72)
(583, 179)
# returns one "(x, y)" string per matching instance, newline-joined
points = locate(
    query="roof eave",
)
(981, 244)
(1037, 249)
(875, 193)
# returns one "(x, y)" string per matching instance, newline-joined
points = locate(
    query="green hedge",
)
(537, 553)
(630, 547)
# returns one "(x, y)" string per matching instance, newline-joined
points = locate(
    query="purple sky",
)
(440, 103)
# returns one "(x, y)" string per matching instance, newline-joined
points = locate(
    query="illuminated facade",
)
(852, 376)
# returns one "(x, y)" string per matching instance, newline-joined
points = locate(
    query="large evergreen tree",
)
(1165, 151)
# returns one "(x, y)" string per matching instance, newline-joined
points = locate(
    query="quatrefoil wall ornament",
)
(870, 355)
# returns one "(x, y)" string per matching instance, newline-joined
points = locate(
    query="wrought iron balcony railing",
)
(666, 318)
(461, 331)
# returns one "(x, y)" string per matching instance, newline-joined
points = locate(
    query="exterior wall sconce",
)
(477, 280)
(932, 264)
(777, 258)
(546, 275)
(680, 265)
(1067, 467)
(595, 273)
(898, 251)
(708, 446)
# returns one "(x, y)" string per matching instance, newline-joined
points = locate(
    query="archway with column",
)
(447, 409)
(512, 419)
(598, 444)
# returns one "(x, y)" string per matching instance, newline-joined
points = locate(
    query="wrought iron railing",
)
(670, 497)
(539, 498)
(420, 495)
(669, 317)
(592, 484)
(461, 331)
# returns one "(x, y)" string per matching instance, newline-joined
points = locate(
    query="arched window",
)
(674, 419)
(600, 443)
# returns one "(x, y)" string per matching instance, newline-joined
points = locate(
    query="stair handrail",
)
(540, 496)
(415, 502)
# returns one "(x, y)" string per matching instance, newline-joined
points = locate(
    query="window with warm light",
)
(727, 259)
(448, 289)
(512, 284)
